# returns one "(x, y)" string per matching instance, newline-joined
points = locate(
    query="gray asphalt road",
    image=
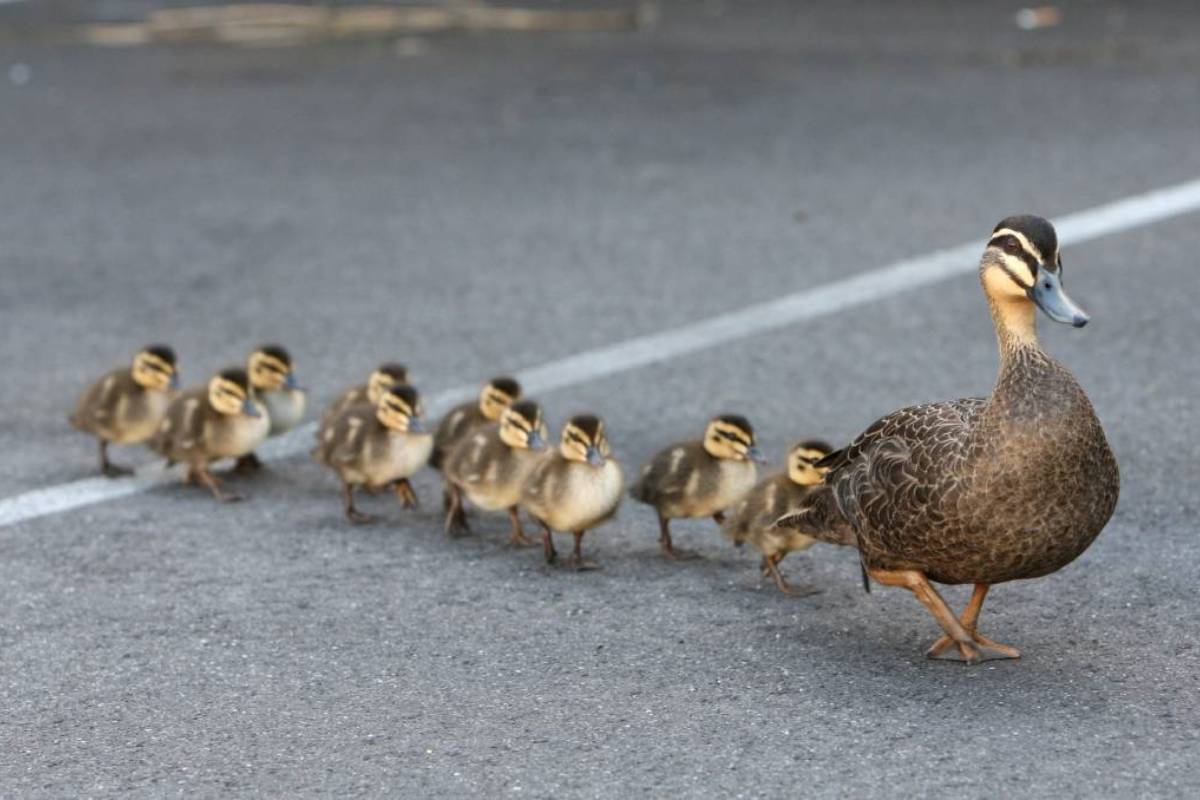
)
(470, 204)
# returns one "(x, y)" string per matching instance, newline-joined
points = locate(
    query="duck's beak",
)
(290, 381)
(415, 425)
(754, 454)
(594, 456)
(1049, 296)
(536, 440)
(174, 382)
(250, 409)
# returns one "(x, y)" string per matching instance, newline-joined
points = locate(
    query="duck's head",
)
(583, 440)
(731, 436)
(497, 395)
(270, 368)
(399, 409)
(802, 460)
(522, 427)
(1021, 267)
(383, 378)
(154, 368)
(229, 393)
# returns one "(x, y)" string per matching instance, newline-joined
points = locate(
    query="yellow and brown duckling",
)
(273, 379)
(490, 466)
(205, 424)
(574, 488)
(753, 519)
(383, 378)
(126, 405)
(376, 446)
(980, 490)
(460, 421)
(700, 478)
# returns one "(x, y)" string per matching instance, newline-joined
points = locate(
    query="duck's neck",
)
(1023, 364)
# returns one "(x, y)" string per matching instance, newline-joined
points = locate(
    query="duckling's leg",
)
(664, 541)
(456, 518)
(919, 585)
(518, 537)
(107, 468)
(352, 513)
(970, 620)
(772, 566)
(548, 543)
(247, 463)
(719, 517)
(198, 473)
(578, 562)
(406, 495)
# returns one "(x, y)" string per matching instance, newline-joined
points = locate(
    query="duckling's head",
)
(229, 393)
(802, 460)
(399, 409)
(522, 427)
(497, 395)
(731, 436)
(1021, 268)
(383, 378)
(270, 368)
(583, 440)
(154, 368)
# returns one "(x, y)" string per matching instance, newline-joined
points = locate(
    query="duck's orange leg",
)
(919, 585)
(970, 621)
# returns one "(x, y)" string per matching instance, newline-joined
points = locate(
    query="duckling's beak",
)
(594, 456)
(250, 409)
(415, 425)
(290, 381)
(536, 440)
(174, 382)
(1049, 296)
(754, 454)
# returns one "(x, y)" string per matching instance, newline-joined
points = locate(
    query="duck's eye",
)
(1011, 246)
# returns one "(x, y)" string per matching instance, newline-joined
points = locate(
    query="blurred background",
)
(480, 187)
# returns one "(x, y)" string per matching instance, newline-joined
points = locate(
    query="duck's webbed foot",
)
(109, 469)
(406, 494)
(667, 546)
(577, 562)
(771, 568)
(988, 650)
(352, 513)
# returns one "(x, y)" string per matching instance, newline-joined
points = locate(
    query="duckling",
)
(700, 478)
(496, 395)
(491, 464)
(384, 377)
(576, 488)
(127, 405)
(273, 379)
(377, 446)
(753, 520)
(205, 424)
(1011, 486)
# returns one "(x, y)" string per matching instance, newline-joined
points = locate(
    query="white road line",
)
(913, 273)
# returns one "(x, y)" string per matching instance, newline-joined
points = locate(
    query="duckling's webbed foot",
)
(406, 495)
(577, 561)
(771, 565)
(916, 582)
(248, 463)
(517, 538)
(199, 474)
(988, 649)
(352, 513)
(109, 469)
(668, 548)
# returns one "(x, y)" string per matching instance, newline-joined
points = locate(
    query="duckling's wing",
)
(98, 402)
(349, 433)
(181, 431)
(666, 476)
(451, 430)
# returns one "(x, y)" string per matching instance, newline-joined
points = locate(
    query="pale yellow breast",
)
(285, 408)
(589, 496)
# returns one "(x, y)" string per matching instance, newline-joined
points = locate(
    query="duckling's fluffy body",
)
(753, 519)
(571, 495)
(285, 408)
(685, 480)
(488, 471)
(118, 409)
(364, 451)
(194, 432)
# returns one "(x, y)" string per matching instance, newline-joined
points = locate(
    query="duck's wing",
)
(890, 474)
